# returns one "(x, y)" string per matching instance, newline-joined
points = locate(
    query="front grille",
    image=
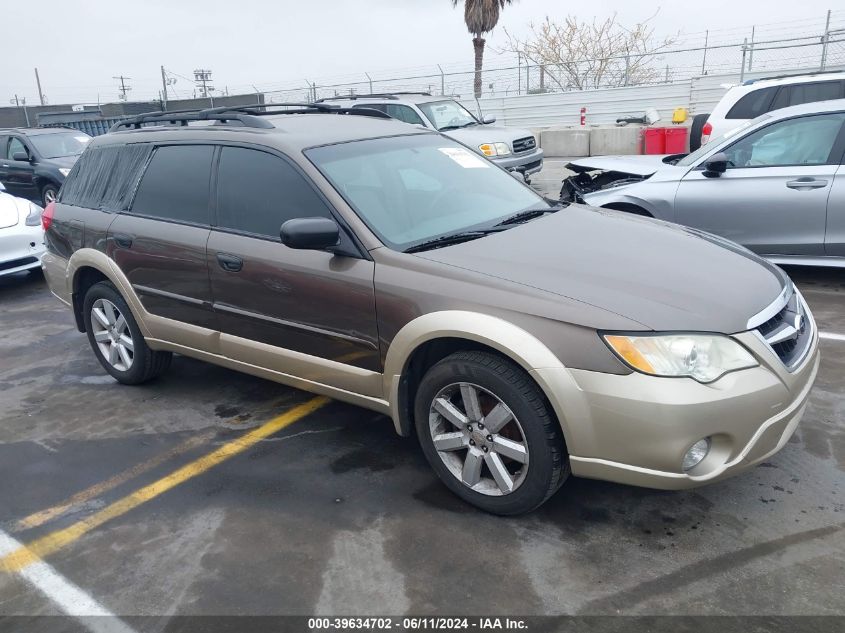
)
(522, 145)
(789, 332)
(23, 261)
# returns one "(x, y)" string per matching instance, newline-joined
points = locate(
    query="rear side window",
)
(807, 93)
(105, 177)
(752, 105)
(257, 192)
(176, 184)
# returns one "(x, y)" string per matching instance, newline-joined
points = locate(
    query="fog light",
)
(695, 454)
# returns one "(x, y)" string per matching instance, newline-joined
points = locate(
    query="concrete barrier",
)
(571, 142)
(606, 141)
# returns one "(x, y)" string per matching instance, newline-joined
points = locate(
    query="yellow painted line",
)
(33, 552)
(43, 516)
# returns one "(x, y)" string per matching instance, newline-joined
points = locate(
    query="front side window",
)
(176, 184)
(16, 146)
(411, 189)
(800, 141)
(447, 115)
(257, 192)
(60, 144)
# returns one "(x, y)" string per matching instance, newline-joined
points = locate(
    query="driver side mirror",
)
(716, 165)
(487, 119)
(314, 234)
(21, 157)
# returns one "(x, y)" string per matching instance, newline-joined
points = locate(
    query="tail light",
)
(706, 131)
(47, 216)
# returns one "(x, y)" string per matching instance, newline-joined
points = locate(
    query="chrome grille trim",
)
(522, 145)
(789, 332)
(772, 309)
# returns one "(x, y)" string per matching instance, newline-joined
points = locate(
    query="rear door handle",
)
(230, 263)
(123, 240)
(806, 183)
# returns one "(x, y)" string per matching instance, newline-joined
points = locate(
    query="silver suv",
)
(514, 149)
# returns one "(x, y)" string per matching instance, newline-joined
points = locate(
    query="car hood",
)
(61, 161)
(636, 165)
(663, 276)
(479, 134)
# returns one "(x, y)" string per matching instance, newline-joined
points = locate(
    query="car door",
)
(834, 244)
(160, 243)
(311, 303)
(773, 196)
(19, 174)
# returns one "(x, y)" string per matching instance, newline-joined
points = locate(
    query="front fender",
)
(553, 378)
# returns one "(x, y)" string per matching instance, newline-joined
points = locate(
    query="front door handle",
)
(230, 263)
(806, 182)
(123, 240)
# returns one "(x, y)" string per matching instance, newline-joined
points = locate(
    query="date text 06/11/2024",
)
(416, 624)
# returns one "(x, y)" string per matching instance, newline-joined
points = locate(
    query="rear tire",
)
(48, 194)
(501, 449)
(698, 122)
(116, 339)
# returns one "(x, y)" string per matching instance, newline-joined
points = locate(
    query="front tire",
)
(489, 434)
(116, 339)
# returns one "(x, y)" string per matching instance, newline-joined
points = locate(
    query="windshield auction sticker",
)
(464, 158)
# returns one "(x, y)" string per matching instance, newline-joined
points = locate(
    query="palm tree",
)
(481, 16)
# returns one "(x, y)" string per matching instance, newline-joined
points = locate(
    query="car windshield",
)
(447, 115)
(413, 189)
(61, 144)
(692, 158)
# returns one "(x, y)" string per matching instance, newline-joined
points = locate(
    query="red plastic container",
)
(676, 140)
(654, 140)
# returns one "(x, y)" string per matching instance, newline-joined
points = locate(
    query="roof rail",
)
(748, 82)
(376, 95)
(247, 115)
(182, 117)
(260, 109)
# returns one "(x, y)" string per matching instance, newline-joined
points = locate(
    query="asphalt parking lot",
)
(211, 492)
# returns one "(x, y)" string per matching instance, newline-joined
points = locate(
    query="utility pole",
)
(41, 94)
(202, 77)
(21, 103)
(751, 51)
(123, 87)
(164, 90)
(704, 56)
(825, 40)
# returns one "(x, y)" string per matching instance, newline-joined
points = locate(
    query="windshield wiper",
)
(530, 214)
(456, 127)
(453, 238)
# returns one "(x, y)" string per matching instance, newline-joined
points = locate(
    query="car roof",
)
(779, 80)
(389, 98)
(35, 131)
(293, 132)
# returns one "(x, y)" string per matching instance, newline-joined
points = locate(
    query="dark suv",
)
(35, 161)
(389, 266)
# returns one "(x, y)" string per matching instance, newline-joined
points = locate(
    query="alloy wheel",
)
(112, 334)
(479, 439)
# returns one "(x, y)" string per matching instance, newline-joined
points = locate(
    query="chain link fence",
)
(708, 56)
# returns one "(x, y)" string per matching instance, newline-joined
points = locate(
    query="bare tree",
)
(579, 55)
(481, 16)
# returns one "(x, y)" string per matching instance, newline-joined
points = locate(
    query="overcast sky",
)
(79, 45)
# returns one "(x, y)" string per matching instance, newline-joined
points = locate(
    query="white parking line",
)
(831, 336)
(64, 594)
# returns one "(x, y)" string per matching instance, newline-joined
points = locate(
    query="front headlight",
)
(64, 171)
(495, 149)
(703, 357)
(33, 218)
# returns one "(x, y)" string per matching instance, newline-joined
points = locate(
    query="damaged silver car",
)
(775, 185)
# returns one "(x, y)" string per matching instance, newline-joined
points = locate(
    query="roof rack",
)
(247, 115)
(376, 95)
(748, 82)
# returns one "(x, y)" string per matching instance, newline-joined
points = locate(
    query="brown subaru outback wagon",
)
(388, 266)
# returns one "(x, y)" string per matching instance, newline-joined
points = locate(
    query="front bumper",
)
(635, 429)
(526, 164)
(21, 248)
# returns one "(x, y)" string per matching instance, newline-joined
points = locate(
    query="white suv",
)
(757, 96)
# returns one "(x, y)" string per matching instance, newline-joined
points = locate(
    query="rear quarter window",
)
(105, 177)
(752, 105)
